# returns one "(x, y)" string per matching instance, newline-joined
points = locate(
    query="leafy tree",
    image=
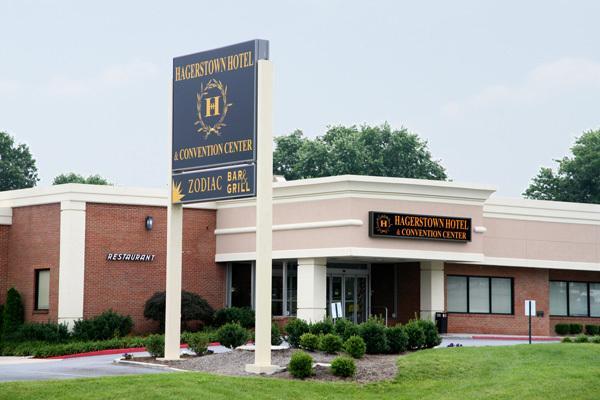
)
(76, 178)
(14, 312)
(193, 308)
(576, 179)
(366, 150)
(17, 166)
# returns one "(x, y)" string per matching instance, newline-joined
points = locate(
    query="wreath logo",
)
(211, 107)
(383, 224)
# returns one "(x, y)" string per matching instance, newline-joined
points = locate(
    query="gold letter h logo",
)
(212, 106)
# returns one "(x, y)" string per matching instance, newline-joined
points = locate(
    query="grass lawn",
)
(543, 371)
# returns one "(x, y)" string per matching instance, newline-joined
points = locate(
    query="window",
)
(42, 289)
(478, 294)
(277, 289)
(575, 299)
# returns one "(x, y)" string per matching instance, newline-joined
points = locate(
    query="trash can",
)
(441, 322)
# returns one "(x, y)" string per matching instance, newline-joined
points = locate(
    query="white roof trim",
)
(545, 264)
(5, 216)
(542, 210)
(292, 227)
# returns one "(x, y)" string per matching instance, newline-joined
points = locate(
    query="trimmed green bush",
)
(233, 335)
(415, 334)
(566, 340)
(155, 345)
(343, 366)
(275, 335)
(575, 329)
(43, 349)
(243, 315)
(322, 327)
(105, 326)
(45, 332)
(300, 365)
(1, 318)
(331, 343)
(193, 308)
(432, 337)
(373, 333)
(294, 329)
(595, 339)
(197, 342)
(309, 341)
(397, 339)
(355, 346)
(13, 314)
(592, 330)
(581, 339)
(562, 329)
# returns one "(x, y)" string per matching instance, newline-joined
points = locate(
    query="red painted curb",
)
(113, 351)
(534, 339)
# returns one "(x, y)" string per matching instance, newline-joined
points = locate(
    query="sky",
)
(497, 88)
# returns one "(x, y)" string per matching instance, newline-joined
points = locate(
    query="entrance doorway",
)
(349, 286)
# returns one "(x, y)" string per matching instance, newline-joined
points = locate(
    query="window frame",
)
(512, 294)
(36, 293)
(568, 314)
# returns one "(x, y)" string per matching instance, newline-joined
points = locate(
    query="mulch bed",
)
(370, 368)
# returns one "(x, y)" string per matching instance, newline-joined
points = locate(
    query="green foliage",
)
(366, 150)
(592, 329)
(567, 340)
(155, 345)
(72, 177)
(576, 178)
(595, 339)
(432, 337)
(294, 329)
(331, 343)
(397, 339)
(107, 325)
(355, 346)
(416, 335)
(343, 366)
(322, 327)
(309, 341)
(581, 339)
(575, 329)
(233, 335)
(46, 332)
(14, 313)
(17, 166)
(373, 333)
(1, 318)
(276, 339)
(345, 328)
(193, 308)
(197, 341)
(243, 315)
(300, 365)
(562, 329)
(44, 349)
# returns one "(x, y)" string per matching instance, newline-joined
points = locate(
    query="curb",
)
(112, 351)
(146, 365)
(533, 338)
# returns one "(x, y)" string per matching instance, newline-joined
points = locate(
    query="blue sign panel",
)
(214, 184)
(214, 106)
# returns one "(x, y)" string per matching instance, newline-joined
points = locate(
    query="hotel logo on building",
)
(413, 226)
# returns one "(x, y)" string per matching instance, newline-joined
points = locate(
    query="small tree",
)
(17, 166)
(72, 177)
(14, 312)
(193, 308)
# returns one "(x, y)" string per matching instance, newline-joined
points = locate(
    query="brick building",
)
(74, 251)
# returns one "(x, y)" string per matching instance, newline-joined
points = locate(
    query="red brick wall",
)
(125, 286)
(34, 242)
(4, 229)
(529, 283)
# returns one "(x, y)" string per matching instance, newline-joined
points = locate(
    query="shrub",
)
(309, 341)
(592, 330)
(105, 326)
(197, 342)
(415, 334)
(1, 318)
(373, 333)
(595, 339)
(13, 314)
(193, 308)
(331, 343)
(322, 327)
(275, 335)
(294, 329)
(48, 332)
(233, 335)
(343, 366)
(562, 329)
(566, 340)
(300, 365)
(355, 346)
(43, 349)
(432, 337)
(581, 339)
(397, 339)
(345, 328)
(155, 345)
(243, 315)
(575, 329)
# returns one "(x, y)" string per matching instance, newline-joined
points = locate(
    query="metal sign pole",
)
(264, 222)
(529, 321)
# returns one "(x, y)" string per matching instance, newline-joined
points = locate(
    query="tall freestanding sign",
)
(222, 149)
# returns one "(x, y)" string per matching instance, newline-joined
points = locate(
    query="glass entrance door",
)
(351, 290)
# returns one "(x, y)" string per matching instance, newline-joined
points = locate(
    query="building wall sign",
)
(137, 257)
(214, 184)
(414, 226)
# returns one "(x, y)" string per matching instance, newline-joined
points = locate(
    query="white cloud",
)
(9, 86)
(543, 82)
